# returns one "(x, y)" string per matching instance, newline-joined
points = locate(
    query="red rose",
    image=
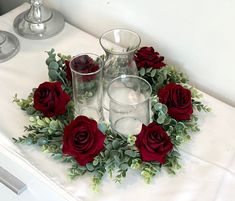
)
(153, 143)
(68, 70)
(83, 140)
(50, 99)
(146, 57)
(85, 64)
(178, 100)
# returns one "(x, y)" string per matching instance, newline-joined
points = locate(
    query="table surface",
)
(208, 160)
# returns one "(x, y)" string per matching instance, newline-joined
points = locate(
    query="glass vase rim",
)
(115, 52)
(91, 73)
(129, 76)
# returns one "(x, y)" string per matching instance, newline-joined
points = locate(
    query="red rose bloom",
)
(50, 99)
(68, 70)
(83, 140)
(146, 57)
(178, 100)
(153, 143)
(85, 64)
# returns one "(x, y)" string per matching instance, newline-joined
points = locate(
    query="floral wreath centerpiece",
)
(91, 146)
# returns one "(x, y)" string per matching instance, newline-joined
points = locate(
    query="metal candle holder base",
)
(9, 46)
(39, 22)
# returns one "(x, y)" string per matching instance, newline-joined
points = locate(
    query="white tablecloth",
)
(208, 160)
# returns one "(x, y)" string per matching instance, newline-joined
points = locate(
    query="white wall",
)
(196, 35)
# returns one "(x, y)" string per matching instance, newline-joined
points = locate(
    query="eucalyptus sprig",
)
(160, 77)
(57, 69)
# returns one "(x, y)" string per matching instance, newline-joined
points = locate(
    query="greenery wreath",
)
(92, 147)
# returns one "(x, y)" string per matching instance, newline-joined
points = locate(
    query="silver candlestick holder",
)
(38, 22)
(9, 46)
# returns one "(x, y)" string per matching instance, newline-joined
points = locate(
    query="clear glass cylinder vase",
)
(120, 46)
(130, 104)
(87, 78)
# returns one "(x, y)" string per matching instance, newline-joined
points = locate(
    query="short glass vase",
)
(130, 104)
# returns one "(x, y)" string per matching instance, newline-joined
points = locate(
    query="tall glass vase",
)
(9, 45)
(87, 78)
(38, 22)
(120, 46)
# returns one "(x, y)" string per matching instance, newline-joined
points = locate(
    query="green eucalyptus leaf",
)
(164, 72)
(53, 65)
(113, 153)
(42, 141)
(188, 137)
(109, 161)
(116, 158)
(167, 121)
(148, 70)
(108, 146)
(183, 80)
(173, 122)
(52, 51)
(125, 159)
(115, 144)
(53, 125)
(30, 110)
(106, 153)
(47, 120)
(60, 63)
(49, 60)
(161, 119)
(41, 122)
(160, 79)
(31, 119)
(53, 74)
(120, 154)
(153, 72)
(175, 154)
(158, 106)
(102, 154)
(82, 168)
(179, 126)
(199, 108)
(130, 153)
(179, 138)
(142, 71)
(44, 129)
(102, 127)
(164, 109)
(95, 162)
(52, 55)
(90, 167)
(29, 141)
(57, 156)
(124, 166)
